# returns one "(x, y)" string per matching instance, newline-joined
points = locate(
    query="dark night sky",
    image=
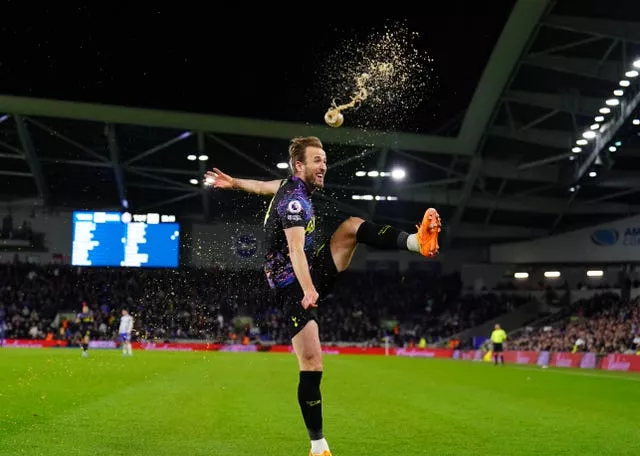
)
(241, 65)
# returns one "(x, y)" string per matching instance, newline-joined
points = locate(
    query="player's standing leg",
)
(123, 341)
(309, 353)
(85, 345)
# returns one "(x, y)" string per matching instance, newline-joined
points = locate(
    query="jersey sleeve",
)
(292, 210)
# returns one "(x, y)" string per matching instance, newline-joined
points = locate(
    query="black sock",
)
(310, 401)
(382, 236)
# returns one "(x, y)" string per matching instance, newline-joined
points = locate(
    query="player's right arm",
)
(295, 240)
(221, 180)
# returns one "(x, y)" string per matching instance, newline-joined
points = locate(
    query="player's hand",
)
(310, 299)
(218, 179)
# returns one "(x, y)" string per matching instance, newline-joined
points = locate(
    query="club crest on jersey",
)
(311, 225)
(294, 207)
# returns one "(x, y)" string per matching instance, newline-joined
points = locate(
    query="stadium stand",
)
(40, 302)
(216, 304)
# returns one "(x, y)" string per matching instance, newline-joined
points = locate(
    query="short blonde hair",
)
(298, 147)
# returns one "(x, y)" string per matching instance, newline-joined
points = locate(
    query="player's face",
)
(314, 167)
(85, 309)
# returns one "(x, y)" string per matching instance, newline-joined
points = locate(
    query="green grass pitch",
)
(53, 402)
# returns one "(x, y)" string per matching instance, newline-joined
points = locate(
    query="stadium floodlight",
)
(604, 110)
(576, 150)
(373, 174)
(612, 102)
(361, 173)
(589, 134)
(398, 174)
(193, 181)
(191, 157)
(572, 189)
(624, 83)
(582, 142)
(631, 74)
(612, 148)
(637, 63)
(599, 119)
(282, 165)
(595, 126)
(521, 275)
(355, 197)
(618, 92)
(592, 174)
(380, 198)
(203, 158)
(552, 274)
(636, 121)
(595, 273)
(392, 198)
(367, 197)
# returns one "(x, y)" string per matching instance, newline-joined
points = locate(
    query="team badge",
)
(294, 207)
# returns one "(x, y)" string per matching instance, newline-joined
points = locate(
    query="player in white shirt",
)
(126, 326)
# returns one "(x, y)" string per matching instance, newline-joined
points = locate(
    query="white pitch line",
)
(570, 371)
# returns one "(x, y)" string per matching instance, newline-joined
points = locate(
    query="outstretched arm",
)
(218, 179)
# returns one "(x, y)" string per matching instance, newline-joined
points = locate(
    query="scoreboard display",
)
(122, 239)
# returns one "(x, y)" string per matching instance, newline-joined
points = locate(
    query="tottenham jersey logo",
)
(294, 207)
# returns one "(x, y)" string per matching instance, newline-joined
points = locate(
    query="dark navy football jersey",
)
(85, 317)
(291, 206)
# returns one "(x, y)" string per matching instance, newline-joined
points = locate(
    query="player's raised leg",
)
(354, 231)
(309, 353)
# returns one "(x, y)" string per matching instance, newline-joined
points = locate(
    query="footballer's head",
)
(308, 160)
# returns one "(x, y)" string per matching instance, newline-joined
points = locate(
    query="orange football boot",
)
(428, 233)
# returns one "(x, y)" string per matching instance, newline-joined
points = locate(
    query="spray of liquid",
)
(377, 71)
(391, 75)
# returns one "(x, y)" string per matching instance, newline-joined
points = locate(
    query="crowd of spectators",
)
(228, 306)
(605, 323)
(221, 305)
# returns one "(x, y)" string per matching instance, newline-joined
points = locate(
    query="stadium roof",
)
(503, 169)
